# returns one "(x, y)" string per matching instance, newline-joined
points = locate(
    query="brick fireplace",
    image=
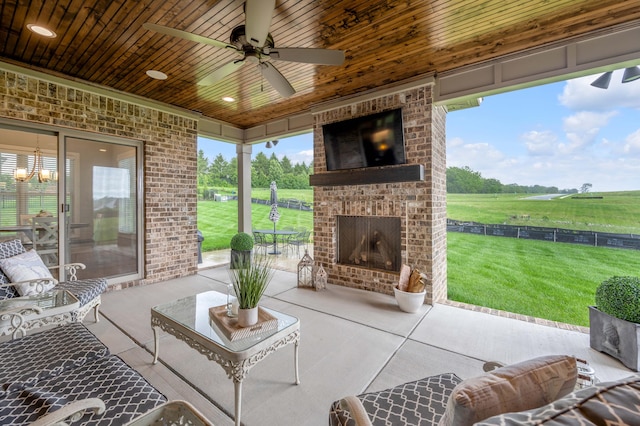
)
(418, 205)
(371, 242)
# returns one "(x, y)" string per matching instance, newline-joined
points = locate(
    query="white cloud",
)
(632, 144)
(582, 128)
(578, 94)
(540, 143)
(298, 157)
(455, 142)
(563, 170)
(478, 156)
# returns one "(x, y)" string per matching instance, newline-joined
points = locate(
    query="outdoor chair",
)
(260, 242)
(301, 239)
(24, 277)
(44, 236)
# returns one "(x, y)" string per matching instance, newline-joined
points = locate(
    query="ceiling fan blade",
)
(308, 56)
(276, 80)
(185, 35)
(221, 73)
(258, 20)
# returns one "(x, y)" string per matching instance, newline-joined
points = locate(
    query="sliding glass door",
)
(83, 205)
(101, 202)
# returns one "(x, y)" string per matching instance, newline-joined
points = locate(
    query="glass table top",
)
(193, 313)
(49, 300)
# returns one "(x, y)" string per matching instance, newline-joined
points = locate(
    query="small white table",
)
(188, 320)
(20, 314)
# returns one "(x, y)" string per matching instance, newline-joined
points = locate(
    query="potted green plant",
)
(615, 320)
(249, 284)
(241, 246)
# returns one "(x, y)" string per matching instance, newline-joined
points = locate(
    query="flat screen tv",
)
(369, 141)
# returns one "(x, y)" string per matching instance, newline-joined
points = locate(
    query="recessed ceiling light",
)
(228, 99)
(158, 75)
(102, 150)
(38, 29)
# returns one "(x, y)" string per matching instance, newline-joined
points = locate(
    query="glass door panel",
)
(101, 207)
(29, 190)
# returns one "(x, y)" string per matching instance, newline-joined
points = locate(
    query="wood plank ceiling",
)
(385, 41)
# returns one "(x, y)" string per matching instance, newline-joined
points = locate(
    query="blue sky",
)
(562, 134)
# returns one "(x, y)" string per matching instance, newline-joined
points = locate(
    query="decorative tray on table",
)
(230, 328)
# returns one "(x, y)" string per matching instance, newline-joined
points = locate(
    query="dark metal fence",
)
(287, 204)
(598, 239)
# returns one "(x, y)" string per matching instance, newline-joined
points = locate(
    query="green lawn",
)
(617, 212)
(218, 221)
(554, 281)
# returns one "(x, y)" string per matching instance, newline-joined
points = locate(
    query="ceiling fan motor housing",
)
(239, 39)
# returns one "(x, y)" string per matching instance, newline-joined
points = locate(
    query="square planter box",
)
(615, 337)
(240, 258)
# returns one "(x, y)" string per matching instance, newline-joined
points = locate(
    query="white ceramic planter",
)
(409, 302)
(247, 317)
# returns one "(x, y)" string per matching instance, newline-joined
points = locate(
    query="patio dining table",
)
(276, 233)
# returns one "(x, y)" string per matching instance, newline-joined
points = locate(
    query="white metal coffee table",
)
(188, 320)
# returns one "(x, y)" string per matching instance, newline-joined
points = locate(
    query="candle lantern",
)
(305, 271)
(320, 280)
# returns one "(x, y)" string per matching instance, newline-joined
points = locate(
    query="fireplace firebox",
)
(371, 242)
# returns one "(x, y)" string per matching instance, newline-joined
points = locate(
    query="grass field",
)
(218, 221)
(617, 212)
(554, 281)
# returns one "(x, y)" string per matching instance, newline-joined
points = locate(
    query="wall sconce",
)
(20, 174)
(631, 74)
(603, 81)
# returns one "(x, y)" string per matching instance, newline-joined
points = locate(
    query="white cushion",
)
(24, 267)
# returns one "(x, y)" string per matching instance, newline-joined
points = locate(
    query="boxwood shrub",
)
(241, 242)
(620, 297)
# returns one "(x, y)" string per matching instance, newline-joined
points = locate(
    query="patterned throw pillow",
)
(9, 249)
(609, 403)
(517, 387)
(23, 267)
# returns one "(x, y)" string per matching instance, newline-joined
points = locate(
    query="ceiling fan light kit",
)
(257, 46)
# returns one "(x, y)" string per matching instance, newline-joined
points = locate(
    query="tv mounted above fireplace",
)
(370, 141)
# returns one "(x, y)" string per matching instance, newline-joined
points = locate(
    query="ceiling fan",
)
(256, 46)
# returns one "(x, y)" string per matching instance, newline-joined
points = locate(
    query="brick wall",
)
(170, 145)
(421, 206)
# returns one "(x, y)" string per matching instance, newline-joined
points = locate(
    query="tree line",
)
(222, 173)
(463, 180)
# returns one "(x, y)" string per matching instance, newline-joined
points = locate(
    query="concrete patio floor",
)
(352, 341)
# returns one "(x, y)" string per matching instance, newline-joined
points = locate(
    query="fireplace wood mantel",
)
(366, 176)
